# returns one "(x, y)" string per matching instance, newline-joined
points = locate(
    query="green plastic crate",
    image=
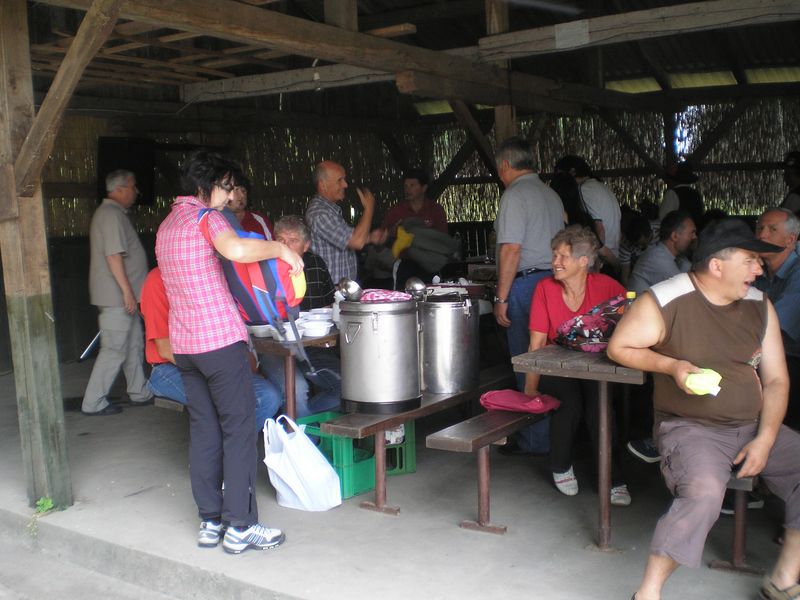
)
(354, 460)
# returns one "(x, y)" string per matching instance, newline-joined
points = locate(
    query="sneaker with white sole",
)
(620, 496)
(257, 537)
(210, 534)
(566, 483)
(644, 450)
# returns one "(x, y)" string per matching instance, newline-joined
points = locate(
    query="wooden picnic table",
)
(557, 361)
(289, 350)
(362, 425)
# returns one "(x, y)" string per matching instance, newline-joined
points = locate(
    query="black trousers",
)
(579, 397)
(222, 430)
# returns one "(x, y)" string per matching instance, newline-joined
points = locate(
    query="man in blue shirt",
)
(781, 283)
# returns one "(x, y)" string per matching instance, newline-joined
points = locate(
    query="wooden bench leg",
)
(737, 562)
(483, 523)
(380, 479)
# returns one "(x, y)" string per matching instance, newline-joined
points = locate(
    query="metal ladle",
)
(349, 289)
(416, 287)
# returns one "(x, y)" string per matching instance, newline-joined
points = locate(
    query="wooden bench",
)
(362, 425)
(477, 434)
(169, 404)
(737, 563)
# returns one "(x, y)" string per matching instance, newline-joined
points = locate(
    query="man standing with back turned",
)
(530, 215)
(713, 318)
(116, 273)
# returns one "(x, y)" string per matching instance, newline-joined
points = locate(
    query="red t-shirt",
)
(431, 213)
(548, 309)
(257, 223)
(155, 310)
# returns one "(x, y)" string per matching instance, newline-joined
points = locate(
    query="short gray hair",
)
(581, 240)
(517, 151)
(293, 223)
(118, 178)
(792, 223)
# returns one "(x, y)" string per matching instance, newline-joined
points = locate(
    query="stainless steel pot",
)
(379, 346)
(450, 352)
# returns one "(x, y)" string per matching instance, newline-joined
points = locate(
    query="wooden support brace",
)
(95, 28)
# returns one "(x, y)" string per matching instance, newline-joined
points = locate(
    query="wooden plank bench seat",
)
(476, 434)
(169, 404)
(362, 425)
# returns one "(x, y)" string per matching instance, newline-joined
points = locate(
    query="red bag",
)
(518, 402)
(590, 332)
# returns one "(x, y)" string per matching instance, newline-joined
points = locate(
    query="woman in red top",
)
(571, 291)
(248, 219)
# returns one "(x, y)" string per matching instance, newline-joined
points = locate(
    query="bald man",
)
(332, 237)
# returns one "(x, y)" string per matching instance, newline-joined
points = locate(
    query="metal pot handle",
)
(351, 332)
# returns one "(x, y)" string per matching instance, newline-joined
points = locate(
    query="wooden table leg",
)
(604, 468)
(380, 479)
(483, 523)
(291, 397)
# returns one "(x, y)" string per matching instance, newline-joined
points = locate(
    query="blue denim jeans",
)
(327, 381)
(534, 438)
(519, 311)
(165, 381)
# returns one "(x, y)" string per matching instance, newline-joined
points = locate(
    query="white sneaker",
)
(566, 483)
(210, 534)
(620, 496)
(257, 537)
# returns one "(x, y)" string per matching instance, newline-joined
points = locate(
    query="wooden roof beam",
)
(96, 26)
(638, 25)
(247, 24)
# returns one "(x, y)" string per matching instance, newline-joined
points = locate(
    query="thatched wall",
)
(279, 161)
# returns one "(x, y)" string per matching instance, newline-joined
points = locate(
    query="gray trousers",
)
(696, 464)
(121, 346)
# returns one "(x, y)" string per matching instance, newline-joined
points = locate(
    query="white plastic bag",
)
(298, 471)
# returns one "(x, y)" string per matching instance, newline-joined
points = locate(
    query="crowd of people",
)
(718, 296)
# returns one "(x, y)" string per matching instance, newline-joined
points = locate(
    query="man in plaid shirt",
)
(331, 237)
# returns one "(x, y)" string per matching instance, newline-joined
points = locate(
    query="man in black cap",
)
(713, 318)
(791, 175)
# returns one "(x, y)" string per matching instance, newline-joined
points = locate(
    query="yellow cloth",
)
(402, 242)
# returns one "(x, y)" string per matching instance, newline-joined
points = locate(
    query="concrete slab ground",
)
(134, 520)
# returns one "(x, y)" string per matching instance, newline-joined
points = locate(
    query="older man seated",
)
(293, 231)
(713, 318)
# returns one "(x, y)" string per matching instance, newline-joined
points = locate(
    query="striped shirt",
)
(330, 235)
(319, 287)
(202, 315)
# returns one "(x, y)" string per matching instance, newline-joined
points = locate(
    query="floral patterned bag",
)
(591, 331)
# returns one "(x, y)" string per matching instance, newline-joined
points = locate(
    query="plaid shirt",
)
(319, 287)
(202, 315)
(329, 237)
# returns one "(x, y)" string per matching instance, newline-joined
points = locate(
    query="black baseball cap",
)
(729, 232)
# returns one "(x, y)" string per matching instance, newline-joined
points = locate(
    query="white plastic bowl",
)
(287, 328)
(327, 310)
(317, 328)
(261, 331)
(317, 317)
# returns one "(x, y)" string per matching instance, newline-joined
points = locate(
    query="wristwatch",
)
(499, 300)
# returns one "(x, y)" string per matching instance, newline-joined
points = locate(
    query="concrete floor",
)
(134, 519)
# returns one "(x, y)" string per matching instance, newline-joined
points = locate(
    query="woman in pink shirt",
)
(209, 342)
(571, 291)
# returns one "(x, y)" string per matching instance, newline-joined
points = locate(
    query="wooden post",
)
(505, 116)
(23, 245)
(26, 141)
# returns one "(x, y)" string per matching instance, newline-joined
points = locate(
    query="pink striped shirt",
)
(202, 315)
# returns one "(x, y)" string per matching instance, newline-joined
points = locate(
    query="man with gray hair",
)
(117, 268)
(530, 215)
(781, 283)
